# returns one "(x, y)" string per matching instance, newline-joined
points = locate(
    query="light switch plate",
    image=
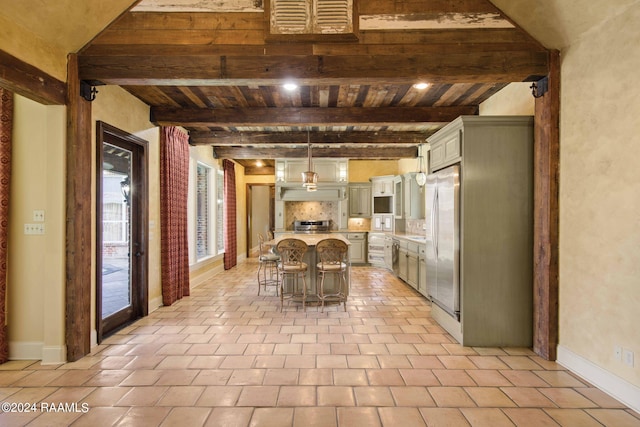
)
(34, 228)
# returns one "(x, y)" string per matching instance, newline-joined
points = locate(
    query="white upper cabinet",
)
(329, 170)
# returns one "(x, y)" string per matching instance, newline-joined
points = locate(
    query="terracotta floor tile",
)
(486, 417)
(180, 417)
(519, 362)
(614, 417)
(300, 362)
(572, 417)
(401, 417)
(335, 396)
(100, 416)
(385, 377)
(272, 417)
(426, 362)
(258, 396)
(567, 398)
(358, 417)
(373, 396)
(560, 379)
(229, 417)
(394, 361)
(350, 377)
(453, 377)
(281, 377)
(421, 377)
(412, 396)
(599, 397)
(523, 417)
(451, 397)
(331, 361)
(322, 376)
(489, 397)
(360, 361)
(181, 396)
(528, 397)
(247, 377)
(488, 378)
(488, 362)
(443, 417)
(142, 396)
(297, 396)
(521, 378)
(219, 396)
(314, 417)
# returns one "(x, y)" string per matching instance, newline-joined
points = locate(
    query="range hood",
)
(322, 194)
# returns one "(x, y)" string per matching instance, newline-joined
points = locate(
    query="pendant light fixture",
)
(421, 177)
(309, 178)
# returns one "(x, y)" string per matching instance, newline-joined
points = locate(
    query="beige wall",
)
(118, 108)
(600, 195)
(362, 170)
(35, 287)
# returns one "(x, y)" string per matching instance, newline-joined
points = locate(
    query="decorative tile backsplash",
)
(311, 210)
(415, 226)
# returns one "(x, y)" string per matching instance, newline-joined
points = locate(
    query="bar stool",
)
(267, 266)
(332, 254)
(291, 266)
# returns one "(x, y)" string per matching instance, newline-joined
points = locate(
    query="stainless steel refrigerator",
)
(442, 215)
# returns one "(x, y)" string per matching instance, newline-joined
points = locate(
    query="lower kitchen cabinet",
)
(412, 265)
(408, 262)
(358, 248)
(422, 270)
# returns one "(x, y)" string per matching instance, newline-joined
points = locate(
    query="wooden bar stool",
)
(332, 254)
(292, 266)
(267, 266)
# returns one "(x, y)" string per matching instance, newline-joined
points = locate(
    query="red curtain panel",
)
(6, 124)
(230, 235)
(174, 187)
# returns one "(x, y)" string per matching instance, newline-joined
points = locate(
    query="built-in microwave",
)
(382, 204)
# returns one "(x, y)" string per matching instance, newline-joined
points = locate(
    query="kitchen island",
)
(311, 259)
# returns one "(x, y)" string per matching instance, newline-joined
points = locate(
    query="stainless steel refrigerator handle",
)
(436, 219)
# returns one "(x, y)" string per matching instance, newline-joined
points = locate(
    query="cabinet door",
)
(412, 269)
(403, 262)
(414, 198)
(422, 272)
(398, 209)
(279, 213)
(356, 251)
(387, 224)
(360, 201)
(382, 187)
(446, 151)
(377, 223)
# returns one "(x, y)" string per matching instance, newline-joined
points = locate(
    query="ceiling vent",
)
(311, 16)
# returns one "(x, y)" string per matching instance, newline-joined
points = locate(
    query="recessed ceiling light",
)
(421, 85)
(290, 86)
(259, 163)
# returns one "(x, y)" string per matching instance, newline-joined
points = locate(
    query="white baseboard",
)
(25, 350)
(54, 355)
(611, 384)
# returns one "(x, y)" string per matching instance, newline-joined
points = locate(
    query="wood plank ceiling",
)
(215, 68)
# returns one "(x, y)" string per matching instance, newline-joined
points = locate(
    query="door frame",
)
(139, 222)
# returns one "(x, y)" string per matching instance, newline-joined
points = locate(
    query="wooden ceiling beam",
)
(258, 138)
(218, 70)
(30, 82)
(370, 153)
(293, 116)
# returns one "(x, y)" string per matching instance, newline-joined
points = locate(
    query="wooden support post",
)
(79, 208)
(546, 216)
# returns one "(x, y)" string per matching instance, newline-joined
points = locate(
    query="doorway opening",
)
(121, 229)
(260, 214)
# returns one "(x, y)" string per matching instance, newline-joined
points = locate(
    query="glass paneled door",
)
(121, 285)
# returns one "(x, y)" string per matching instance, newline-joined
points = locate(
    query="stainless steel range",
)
(312, 226)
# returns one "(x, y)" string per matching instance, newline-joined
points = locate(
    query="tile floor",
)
(226, 357)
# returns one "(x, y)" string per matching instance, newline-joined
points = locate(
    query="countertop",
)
(310, 239)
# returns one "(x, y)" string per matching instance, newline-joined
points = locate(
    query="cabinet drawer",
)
(355, 236)
(412, 247)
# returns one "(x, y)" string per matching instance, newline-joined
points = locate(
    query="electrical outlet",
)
(627, 357)
(38, 216)
(617, 353)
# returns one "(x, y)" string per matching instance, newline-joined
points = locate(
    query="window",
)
(220, 212)
(206, 208)
(311, 16)
(203, 212)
